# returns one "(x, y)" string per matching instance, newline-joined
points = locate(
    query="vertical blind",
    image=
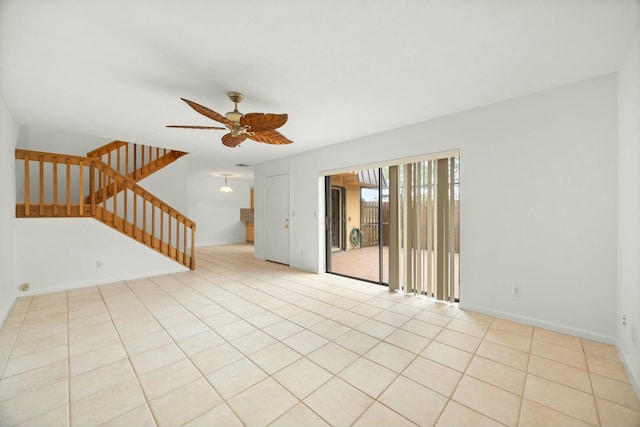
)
(423, 245)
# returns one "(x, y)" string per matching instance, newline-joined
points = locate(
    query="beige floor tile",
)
(306, 319)
(56, 418)
(505, 355)
(168, 378)
(415, 402)
(425, 329)
(535, 415)
(612, 414)
(299, 415)
(187, 330)
(99, 379)
(357, 341)
(8, 337)
(338, 402)
(35, 379)
(508, 339)
(616, 391)
(106, 404)
(435, 318)
(433, 375)
(138, 417)
(333, 357)
(148, 342)
(605, 351)
(379, 415)
(88, 331)
(376, 329)
(302, 377)
(200, 342)
(349, 319)
(487, 399)
(216, 358)
(607, 368)
(283, 329)
(512, 327)
(497, 374)
(236, 378)
(263, 320)
(22, 407)
(329, 329)
(457, 415)
(560, 373)
(96, 359)
(467, 328)
(368, 376)
(392, 318)
(471, 316)
(557, 338)
(458, 340)
(275, 357)
(221, 415)
(84, 346)
(447, 355)
(390, 356)
(184, 403)
(408, 341)
(567, 400)
(253, 341)
(305, 342)
(26, 347)
(367, 310)
(262, 403)
(151, 360)
(35, 360)
(559, 354)
(235, 330)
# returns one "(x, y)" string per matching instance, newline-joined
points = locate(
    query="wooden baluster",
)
(68, 187)
(135, 161)
(144, 218)
(177, 238)
(81, 188)
(118, 161)
(41, 184)
(169, 234)
(161, 227)
(55, 186)
(142, 155)
(126, 215)
(27, 203)
(103, 189)
(193, 246)
(153, 222)
(135, 210)
(115, 202)
(92, 187)
(109, 158)
(126, 160)
(184, 246)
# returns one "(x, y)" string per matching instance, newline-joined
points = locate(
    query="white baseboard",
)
(632, 371)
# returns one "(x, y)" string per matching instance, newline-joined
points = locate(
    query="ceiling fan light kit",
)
(225, 188)
(260, 127)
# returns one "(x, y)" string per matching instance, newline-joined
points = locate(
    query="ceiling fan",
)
(259, 127)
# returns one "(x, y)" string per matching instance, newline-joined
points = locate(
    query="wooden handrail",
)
(114, 211)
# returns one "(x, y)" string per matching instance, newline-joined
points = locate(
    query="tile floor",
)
(245, 342)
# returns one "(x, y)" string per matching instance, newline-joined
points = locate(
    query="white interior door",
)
(277, 219)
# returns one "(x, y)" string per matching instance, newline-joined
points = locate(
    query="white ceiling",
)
(341, 69)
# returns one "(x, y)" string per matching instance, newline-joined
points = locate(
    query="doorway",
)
(338, 219)
(277, 193)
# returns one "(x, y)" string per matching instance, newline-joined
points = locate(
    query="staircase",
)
(104, 186)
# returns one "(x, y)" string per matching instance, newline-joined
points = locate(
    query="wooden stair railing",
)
(135, 161)
(59, 187)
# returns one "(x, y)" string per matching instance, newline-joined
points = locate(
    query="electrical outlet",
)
(516, 291)
(24, 287)
(624, 320)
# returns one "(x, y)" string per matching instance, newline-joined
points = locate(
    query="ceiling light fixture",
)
(225, 188)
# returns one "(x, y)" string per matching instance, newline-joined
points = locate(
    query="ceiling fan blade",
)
(196, 127)
(208, 112)
(270, 137)
(233, 141)
(262, 121)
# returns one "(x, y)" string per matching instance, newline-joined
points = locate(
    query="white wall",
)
(629, 210)
(8, 258)
(538, 203)
(58, 141)
(217, 215)
(61, 253)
